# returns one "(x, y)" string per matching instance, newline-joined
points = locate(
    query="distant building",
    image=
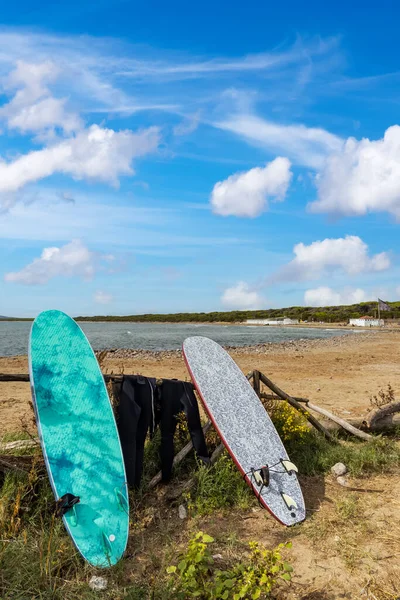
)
(280, 321)
(367, 322)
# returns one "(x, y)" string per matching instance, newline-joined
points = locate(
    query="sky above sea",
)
(174, 157)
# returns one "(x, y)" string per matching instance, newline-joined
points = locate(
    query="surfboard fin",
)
(121, 500)
(74, 517)
(289, 466)
(290, 503)
(106, 544)
(261, 476)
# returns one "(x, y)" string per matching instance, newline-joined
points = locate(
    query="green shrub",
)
(195, 575)
(218, 487)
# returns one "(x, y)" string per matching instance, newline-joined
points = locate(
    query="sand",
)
(340, 373)
(349, 545)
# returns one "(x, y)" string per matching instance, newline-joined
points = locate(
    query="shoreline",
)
(340, 373)
(263, 348)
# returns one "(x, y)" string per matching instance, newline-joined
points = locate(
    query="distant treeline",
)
(328, 314)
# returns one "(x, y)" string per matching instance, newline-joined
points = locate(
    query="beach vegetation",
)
(196, 576)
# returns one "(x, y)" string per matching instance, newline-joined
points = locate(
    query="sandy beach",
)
(348, 546)
(340, 373)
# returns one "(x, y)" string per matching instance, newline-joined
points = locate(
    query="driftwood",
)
(174, 493)
(387, 423)
(380, 413)
(295, 404)
(344, 424)
(25, 377)
(264, 396)
(19, 444)
(178, 458)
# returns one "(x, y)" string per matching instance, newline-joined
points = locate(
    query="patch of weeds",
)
(151, 457)
(317, 455)
(37, 556)
(14, 436)
(348, 507)
(383, 398)
(255, 577)
(289, 422)
(218, 487)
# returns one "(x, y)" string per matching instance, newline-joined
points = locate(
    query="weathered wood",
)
(274, 397)
(256, 382)
(386, 424)
(297, 405)
(22, 377)
(14, 377)
(344, 424)
(217, 453)
(174, 493)
(19, 444)
(380, 413)
(178, 458)
(322, 411)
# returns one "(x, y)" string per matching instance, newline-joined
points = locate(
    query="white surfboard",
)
(245, 428)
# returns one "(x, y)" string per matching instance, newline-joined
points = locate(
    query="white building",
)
(367, 322)
(283, 321)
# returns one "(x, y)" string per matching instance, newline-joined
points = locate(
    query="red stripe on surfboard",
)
(246, 478)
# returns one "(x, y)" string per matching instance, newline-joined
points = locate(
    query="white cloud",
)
(102, 297)
(326, 296)
(188, 125)
(241, 297)
(349, 254)
(246, 194)
(71, 260)
(94, 153)
(308, 146)
(363, 177)
(33, 108)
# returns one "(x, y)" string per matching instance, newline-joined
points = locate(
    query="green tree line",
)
(328, 314)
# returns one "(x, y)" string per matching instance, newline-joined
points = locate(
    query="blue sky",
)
(180, 157)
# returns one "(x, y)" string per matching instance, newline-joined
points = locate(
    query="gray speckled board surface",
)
(243, 425)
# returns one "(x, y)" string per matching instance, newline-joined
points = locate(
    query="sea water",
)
(14, 335)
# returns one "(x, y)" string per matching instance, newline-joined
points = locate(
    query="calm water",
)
(14, 335)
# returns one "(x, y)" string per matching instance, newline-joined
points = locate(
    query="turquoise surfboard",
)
(79, 437)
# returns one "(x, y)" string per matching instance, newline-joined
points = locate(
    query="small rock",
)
(342, 481)
(182, 512)
(98, 583)
(217, 556)
(318, 389)
(339, 469)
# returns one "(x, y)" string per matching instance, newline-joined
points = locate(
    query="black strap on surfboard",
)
(65, 503)
(261, 477)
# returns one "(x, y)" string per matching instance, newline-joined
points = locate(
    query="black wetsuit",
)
(142, 406)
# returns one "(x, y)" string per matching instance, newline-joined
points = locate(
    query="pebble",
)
(339, 469)
(182, 512)
(98, 583)
(267, 348)
(342, 481)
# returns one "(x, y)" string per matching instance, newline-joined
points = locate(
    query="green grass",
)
(219, 487)
(14, 436)
(316, 455)
(39, 561)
